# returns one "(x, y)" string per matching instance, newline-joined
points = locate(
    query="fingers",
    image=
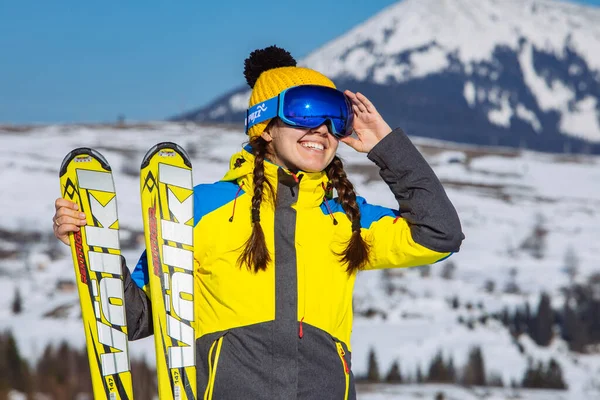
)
(62, 232)
(68, 216)
(360, 103)
(66, 219)
(60, 202)
(369, 107)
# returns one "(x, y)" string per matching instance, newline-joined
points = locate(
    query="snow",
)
(498, 193)
(391, 70)
(550, 96)
(427, 62)
(527, 115)
(501, 116)
(240, 101)
(362, 60)
(574, 69)
(217, 112)
(584, 120)
(413, 392)
(469, 93)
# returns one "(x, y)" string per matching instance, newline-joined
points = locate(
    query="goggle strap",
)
(261, 112)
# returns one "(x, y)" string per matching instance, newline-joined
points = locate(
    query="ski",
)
(168, 213)
(86, 179)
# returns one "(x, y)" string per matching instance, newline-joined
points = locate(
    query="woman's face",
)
(300, 149)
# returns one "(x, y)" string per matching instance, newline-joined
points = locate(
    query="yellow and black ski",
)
(86, 179)
(168, 213)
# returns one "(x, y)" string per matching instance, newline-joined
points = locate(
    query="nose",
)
(322, 129)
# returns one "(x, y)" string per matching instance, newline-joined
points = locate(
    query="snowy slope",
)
(499, 194)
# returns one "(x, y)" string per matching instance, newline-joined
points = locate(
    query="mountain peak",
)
(469, 30)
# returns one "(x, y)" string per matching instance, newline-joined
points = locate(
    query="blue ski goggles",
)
(306, 106)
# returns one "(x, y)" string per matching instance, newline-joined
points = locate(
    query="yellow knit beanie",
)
(271, 70)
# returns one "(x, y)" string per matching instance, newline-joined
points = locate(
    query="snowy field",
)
(499, 194)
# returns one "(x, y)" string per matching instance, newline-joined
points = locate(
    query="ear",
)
(266, 134)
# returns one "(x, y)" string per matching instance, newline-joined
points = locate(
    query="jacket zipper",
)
(342, 353)
(212, 367)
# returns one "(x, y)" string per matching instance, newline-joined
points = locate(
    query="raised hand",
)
(369, 125)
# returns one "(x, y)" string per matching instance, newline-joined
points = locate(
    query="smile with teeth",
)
(313, 145)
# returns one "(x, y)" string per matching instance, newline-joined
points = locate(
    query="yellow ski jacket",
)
(284, 333)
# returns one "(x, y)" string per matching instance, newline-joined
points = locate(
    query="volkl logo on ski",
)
(178, 286)
(107, 291)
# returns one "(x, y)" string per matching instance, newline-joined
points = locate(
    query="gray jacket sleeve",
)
(138, 309)
(422, 201)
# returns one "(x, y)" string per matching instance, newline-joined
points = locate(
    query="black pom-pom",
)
(265, 59)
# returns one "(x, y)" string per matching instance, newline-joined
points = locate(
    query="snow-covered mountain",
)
(519, 73)
(405, 316)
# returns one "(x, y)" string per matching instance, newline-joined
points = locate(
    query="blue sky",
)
(83, 61)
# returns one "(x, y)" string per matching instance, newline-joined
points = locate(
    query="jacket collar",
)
(311, 184)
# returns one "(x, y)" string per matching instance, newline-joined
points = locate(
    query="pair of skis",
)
(167, 206)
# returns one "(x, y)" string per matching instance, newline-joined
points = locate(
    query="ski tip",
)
(82, 151)
(166, 145)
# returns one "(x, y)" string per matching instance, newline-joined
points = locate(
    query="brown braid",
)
(356, 254)
(256, 255)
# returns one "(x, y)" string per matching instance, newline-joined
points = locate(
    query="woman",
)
(276, 255)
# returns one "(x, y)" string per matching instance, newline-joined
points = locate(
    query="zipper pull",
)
(342, 354)
(300, 332)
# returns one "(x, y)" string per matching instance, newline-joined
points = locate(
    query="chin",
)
(313, 167)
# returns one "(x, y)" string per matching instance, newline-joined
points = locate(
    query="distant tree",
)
(455, 303)
(534, 376)
(419, 378)
(554, 377)
(490, 286)
(535, 243)
(17, 370)
(544, 321)
(571, 264)
(191, 149)
(4, 368)
(518, 323)
(474, 371)
(511, 286)
(17, 303)
(425, 271)
(394, 375)
(483, 319)
(144, 380)
(387, 282)
(448, 270)
(505, 317)
(495, 380)
(440, 371)
(528, 318)
(373, 368)
(544, 377)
